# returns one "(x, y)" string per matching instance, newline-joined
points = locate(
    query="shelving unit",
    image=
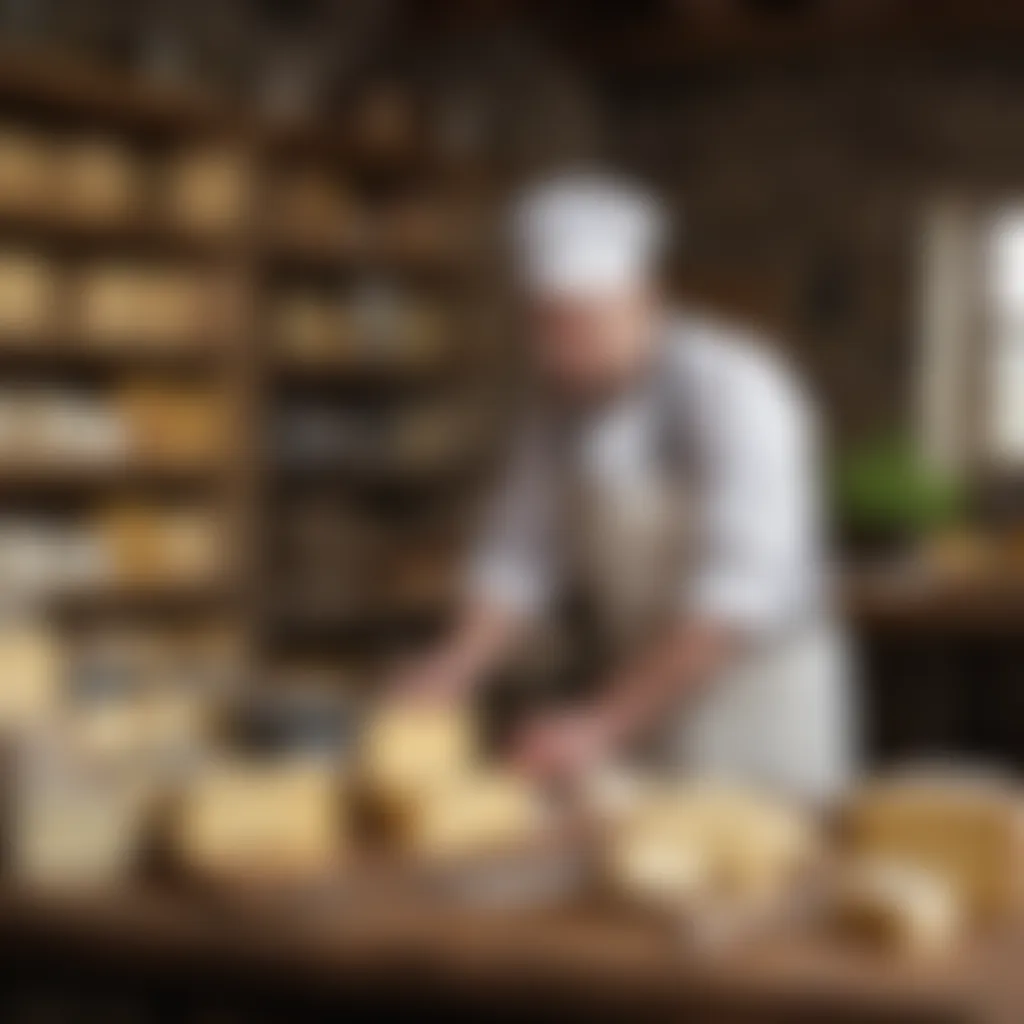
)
(362, 375)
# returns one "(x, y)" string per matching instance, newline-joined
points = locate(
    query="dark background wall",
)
(802, 192)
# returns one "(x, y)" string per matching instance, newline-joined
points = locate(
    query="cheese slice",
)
(966, 829)
(896, 907)
(481, 813)
(31, 670)
(722, 843)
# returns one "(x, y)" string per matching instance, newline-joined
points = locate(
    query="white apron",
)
(779, 715)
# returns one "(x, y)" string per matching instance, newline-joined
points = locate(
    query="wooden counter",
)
(565, 964)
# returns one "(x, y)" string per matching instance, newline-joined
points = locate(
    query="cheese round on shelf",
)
(109, 304)
(967, 829)
(100, 180)
(896, 907)
(208, 189)
(27, 294)
(26, 162)
(310, 327)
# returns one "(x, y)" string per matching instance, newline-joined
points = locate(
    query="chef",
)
(666, 467)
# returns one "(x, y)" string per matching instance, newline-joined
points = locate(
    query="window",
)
(972, 368)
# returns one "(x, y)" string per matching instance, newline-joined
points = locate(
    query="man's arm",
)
(758, 556)
(479, 641)
(636, 695)
(510, 576)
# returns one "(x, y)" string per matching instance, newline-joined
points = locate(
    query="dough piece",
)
(412, 749)
(478, 814)
(208, 189)
(25, 166)
(896, 907)
(968, 830)
(261, 820)
(100, 180)
(27, 293)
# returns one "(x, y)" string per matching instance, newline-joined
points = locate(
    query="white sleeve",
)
(513, 564)
(758, 553)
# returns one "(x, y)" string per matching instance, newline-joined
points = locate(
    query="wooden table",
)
(566, 964)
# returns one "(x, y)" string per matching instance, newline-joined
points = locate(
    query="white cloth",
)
(583, 234)
(747, 436)
(737, 482)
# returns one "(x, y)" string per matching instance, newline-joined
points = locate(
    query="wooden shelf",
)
(60, 84)
(56, 477)
(57, 355)
(50, 227)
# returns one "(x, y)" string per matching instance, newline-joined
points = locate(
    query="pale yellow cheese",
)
(261, 820)
(100, 180)
(410, 749)
(896, 907)
(31, 670)
(25, 166)
(968, 830)
(718, 842)
(482, 812)
(27, 293)
(208, 189)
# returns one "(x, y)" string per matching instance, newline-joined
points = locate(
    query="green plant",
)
(884, 486)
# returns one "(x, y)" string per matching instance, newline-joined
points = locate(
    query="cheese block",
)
(31, 671)
(150, 545)
(410, 749)
(100, 180)
(27, 294)
(896, 907)
(312, 208)
(171, 306)
(74, 823)
(310, 327)
(25, 166)
(260, 820)
(480, 813)
(736, 846)
(170, 424)
(208, 189)
(967, 829)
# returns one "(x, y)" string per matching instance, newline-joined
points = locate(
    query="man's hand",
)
(435, 679)
(562, 746)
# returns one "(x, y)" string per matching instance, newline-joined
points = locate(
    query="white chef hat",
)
(585, 233)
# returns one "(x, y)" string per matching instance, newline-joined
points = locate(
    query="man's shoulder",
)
(704, 350)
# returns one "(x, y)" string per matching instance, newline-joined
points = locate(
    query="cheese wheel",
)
(968, 830)
(26, 164)
(27, 294)
(100, 180)
(208, 189)
(896, 907)
(260, 820)
(749, 848)
(410, 749)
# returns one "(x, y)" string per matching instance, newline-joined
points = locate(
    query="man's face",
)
(587, 345)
